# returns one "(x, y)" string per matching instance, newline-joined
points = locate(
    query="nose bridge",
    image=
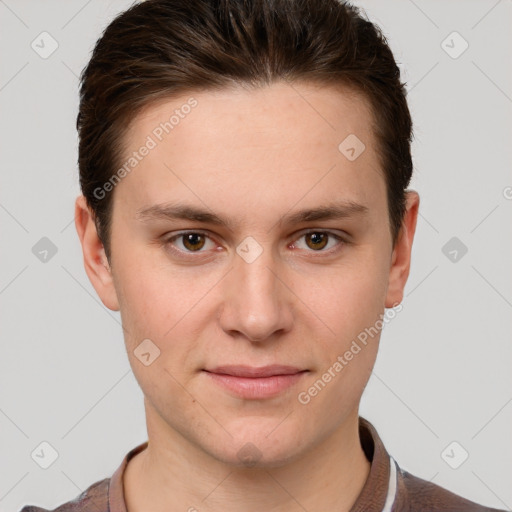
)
(258, 281)
(255, 306)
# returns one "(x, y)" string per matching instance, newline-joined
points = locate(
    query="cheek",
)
(169, 306)
(352, 310)
(349, 297)
(144, 302)
(156, 320)
(150, 295)
(349, 303)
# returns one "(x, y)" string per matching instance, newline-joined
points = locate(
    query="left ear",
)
(401, 257)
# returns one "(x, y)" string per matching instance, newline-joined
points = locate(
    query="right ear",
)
(95, 260)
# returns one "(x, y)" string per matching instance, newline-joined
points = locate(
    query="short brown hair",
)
(161, 48)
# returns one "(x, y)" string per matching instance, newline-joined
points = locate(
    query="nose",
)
(257, 305)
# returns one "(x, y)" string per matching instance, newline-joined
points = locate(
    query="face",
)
(245, 237)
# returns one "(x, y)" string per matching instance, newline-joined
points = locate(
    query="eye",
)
(191, 241)
(318, 241)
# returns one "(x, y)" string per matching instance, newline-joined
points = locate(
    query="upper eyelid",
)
(306, 231)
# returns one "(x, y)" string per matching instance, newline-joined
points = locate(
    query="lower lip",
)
(254, 388)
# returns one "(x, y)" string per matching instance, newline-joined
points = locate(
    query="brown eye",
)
(193, 241)
(316, 240)
(186, 243)
(322, 242)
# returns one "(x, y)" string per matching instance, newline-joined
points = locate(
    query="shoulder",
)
(398, 490)
(416, 494)
(93, 499)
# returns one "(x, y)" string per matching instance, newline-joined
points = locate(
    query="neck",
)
(173, 474)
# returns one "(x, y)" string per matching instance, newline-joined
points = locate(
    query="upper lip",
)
(253, 371)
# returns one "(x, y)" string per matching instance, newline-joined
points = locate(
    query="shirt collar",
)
(378, 492)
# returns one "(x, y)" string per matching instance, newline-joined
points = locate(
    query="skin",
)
(252, 157)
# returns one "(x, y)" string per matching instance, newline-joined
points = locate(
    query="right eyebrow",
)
(172, 211)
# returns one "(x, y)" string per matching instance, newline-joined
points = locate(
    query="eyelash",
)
(168, 241)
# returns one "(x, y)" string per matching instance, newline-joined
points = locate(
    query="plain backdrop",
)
(443, 371)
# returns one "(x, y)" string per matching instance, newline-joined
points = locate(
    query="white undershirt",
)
(390, 498)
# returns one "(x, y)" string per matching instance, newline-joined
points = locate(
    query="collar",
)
(378, 493)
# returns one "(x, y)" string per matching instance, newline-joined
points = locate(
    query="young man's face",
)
(257, 289)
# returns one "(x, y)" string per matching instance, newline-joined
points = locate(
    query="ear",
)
(401, 257)
(95, 260)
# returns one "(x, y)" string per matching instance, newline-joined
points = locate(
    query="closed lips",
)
(254, 372)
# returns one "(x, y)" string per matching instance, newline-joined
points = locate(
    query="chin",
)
(257, 456)
(264, 443)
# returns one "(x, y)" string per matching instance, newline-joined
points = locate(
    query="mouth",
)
(255, 383)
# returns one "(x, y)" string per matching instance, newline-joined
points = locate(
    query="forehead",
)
(273, 143)
(259, 114)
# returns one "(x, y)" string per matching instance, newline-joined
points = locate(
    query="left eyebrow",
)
(341, 210)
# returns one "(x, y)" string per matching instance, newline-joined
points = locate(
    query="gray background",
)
(443, 371)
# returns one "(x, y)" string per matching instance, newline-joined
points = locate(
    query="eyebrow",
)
(175, 211)
(340, 210)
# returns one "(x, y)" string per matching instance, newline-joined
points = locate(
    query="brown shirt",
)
(387, 488)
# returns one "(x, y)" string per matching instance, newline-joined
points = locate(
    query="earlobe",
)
(401, 258)
(96, 263)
